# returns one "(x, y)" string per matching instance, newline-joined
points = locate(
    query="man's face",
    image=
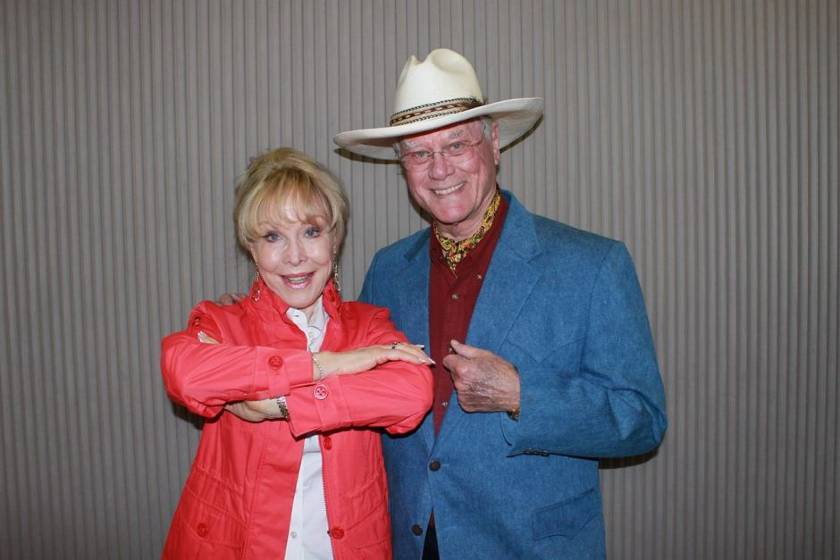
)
(456, 188)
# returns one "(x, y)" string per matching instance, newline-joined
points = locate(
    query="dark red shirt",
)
(452, 297)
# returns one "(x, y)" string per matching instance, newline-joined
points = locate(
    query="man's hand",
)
(484, 381)
(230, 299)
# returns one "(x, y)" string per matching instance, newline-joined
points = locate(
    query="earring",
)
(336, 281)
(258, 292)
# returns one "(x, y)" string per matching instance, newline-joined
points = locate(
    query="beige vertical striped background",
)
(704, 133)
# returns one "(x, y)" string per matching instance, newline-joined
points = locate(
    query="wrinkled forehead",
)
(469, 130)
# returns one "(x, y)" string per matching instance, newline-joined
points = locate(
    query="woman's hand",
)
(255, 411)
(367, 358)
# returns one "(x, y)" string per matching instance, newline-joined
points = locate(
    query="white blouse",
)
(308, 537)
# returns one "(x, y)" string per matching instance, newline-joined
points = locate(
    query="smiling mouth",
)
(448, 190)
(298, 281)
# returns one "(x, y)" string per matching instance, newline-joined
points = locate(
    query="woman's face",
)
(295, 258)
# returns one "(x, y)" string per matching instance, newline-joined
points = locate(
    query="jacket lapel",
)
(509, 282)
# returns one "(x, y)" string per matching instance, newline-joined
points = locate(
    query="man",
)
(544, 358)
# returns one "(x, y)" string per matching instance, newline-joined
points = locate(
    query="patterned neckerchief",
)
(455, 251)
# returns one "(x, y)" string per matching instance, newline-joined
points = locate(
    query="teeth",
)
(297, 279)
(450, 190)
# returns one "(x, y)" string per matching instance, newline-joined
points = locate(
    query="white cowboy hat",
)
(441, 90)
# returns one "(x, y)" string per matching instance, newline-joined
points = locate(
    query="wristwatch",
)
(281, 404)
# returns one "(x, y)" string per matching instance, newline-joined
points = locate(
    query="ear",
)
(334, 244)
(494, 137)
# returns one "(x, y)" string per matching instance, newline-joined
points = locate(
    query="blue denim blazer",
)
(564, 306)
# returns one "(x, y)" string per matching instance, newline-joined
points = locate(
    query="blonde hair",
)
(285, 178)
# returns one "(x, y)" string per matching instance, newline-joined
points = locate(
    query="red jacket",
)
(237, 500)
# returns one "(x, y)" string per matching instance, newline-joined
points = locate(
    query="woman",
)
(289, 379)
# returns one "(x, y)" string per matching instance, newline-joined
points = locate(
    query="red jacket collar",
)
(269, 305)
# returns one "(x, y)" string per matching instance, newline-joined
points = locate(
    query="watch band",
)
(281, 404)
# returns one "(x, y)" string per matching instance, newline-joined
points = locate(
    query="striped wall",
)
(704, 133)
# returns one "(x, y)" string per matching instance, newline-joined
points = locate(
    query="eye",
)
(419, 155)
(271, 236)
(312, 232)
(456, 147)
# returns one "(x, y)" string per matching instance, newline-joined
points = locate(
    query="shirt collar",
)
(317, 321)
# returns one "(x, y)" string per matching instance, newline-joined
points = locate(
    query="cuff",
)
(317, 407)
(276, 373)
(509, 427)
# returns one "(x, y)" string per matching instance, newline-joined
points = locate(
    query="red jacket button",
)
(275, 362)
(201, 529)
(320, 392)
(336, 532)
(327, 442)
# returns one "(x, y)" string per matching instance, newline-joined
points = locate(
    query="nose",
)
(295, 253)
(440, 167)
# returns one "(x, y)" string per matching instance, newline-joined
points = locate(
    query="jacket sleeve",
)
(613, 405)
(395, 396)
(204, 377)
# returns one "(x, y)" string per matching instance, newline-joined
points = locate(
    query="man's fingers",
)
(230, 299)
(465, 350)
(453, 362)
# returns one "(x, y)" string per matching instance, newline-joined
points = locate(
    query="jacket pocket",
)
(370, 528)
(203, 523)
(566, 518)
(559, 355)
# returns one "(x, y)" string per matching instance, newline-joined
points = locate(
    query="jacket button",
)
(320, 392)
(275, 362)
(434, 465)
(196, 321)
(417, 529)
(336, 532)
(201, 529)
(327, 442)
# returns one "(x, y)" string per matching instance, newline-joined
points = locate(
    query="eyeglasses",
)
(453, 151)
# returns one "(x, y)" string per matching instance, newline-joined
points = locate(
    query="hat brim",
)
(515, 117)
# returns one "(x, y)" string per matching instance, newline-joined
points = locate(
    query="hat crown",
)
(440, 91)
(443, 76)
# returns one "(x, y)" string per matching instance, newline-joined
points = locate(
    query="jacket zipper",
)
(326, 509)
(323, 461)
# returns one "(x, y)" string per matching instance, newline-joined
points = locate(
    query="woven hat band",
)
(432, 110)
